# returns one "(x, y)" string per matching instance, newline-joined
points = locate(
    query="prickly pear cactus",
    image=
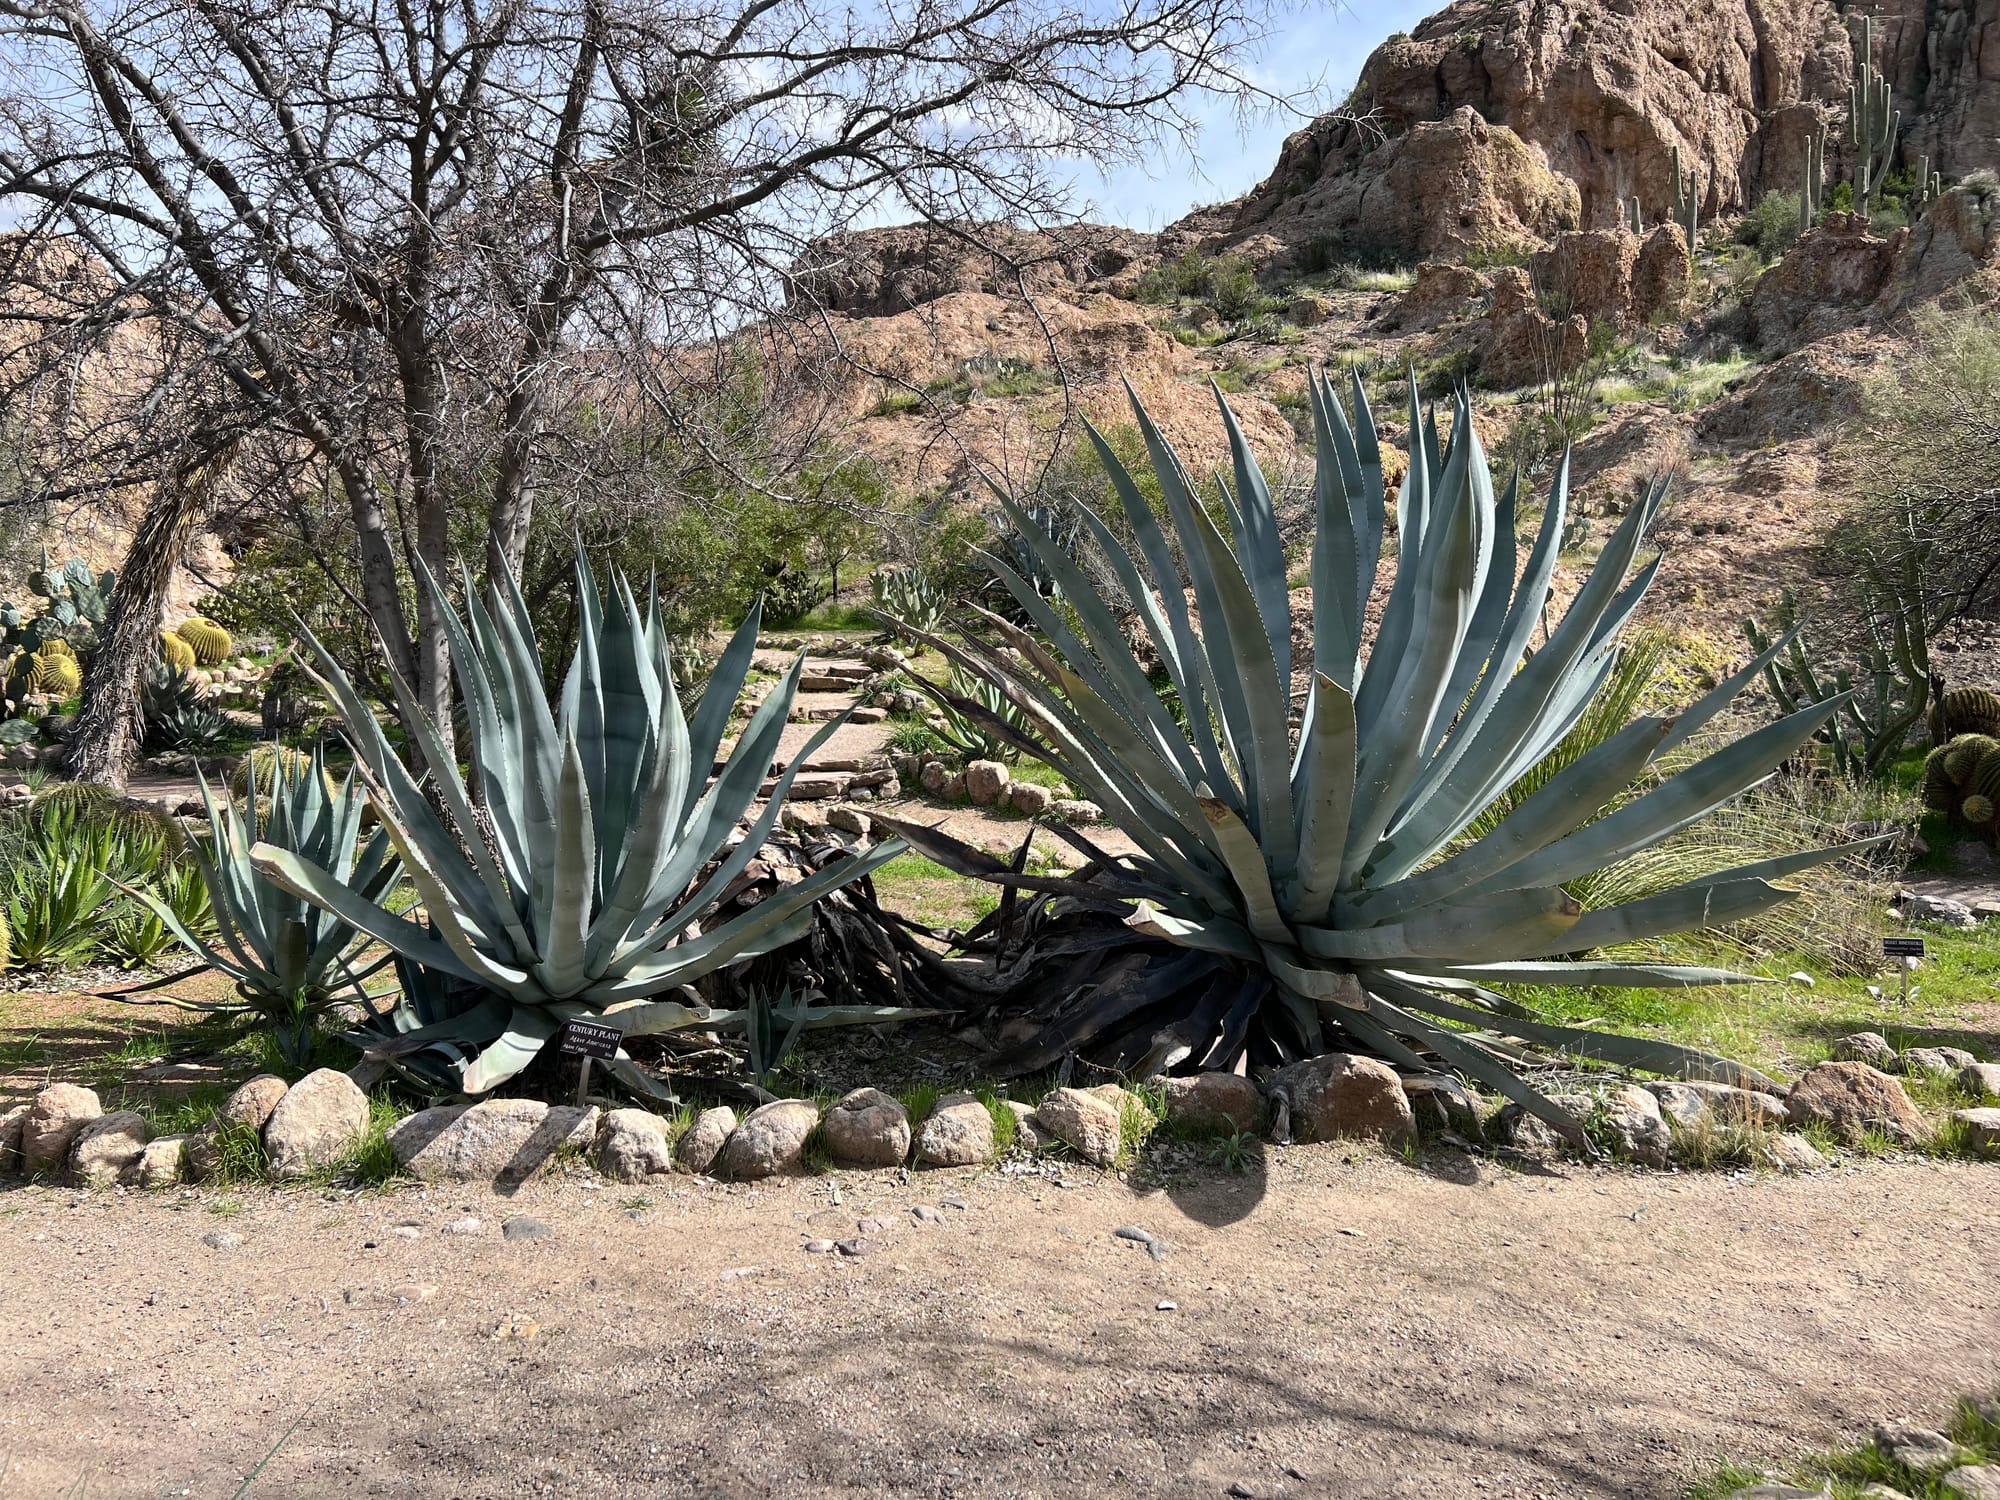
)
(76, 594)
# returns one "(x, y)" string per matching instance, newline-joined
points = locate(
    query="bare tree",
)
(412, 237)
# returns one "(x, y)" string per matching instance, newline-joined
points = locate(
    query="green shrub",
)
(1772, 226)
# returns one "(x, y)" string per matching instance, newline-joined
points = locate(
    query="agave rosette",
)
(292, 961)
(600, 840)
(1318, 874)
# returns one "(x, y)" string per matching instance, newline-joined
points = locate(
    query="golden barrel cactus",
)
(208, 640)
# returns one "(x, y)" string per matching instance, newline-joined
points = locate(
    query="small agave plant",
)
(1313, 881)
(569, 879)
(292, 962)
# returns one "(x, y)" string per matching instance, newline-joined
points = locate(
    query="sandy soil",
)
(1341, 1325)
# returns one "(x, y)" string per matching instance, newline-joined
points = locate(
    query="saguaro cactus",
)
(1930, 185)
(1812, 191)
(1872, 121)
(1686, 201)
(1629, 212)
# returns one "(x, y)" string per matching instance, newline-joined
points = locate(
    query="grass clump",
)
(1848, 1472)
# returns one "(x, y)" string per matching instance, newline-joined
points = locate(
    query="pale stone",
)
(10, 1137)
(985, 780)
(51, 1125)
(1792, 1153)
(1224, 1101)
(770, 1140)
(161, 1165)
(502, 1141)
(1851, 1098)
(1027, 1134)
(1026, 797)
(1341, 1094)
(1919, 1449)
(850, 820)
(1981, 1080)
(1633, 1116)
(632, 1145)
(1974, 1482)
(1982, 1127)
(867, 1128)
(1869, 1047)
(957, 1133)
(1086, 1120)
(108, 1149)
(697, 1150)
(1682, 1106)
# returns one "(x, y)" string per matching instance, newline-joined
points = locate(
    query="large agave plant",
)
(600, 839)
(292, 961)
(1311, 881)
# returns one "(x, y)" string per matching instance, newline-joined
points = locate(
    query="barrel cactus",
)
(176, 652)
(1972, 710)
(208, 640)
(1326, 880)
(267, 764)
(53, 670)
(1962, 780)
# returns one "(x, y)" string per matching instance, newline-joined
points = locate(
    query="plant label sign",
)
(590, 1039)
(1902, 947)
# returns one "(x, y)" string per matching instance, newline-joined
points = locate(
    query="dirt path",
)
(1342, 1327)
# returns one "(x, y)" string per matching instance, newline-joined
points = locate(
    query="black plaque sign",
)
(590, 1039)
(1902, 947)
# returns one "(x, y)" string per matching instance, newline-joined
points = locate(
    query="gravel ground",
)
(1332, 1324)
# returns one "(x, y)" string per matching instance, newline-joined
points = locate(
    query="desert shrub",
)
(1771, 226)
(1925, 469)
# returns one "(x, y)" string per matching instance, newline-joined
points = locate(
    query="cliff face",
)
(1601, 95)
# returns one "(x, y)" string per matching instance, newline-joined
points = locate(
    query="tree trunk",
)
(108, 726)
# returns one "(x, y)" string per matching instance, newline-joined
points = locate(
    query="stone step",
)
(825, 786)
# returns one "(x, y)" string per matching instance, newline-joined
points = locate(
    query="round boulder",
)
(867, 1129)
(1340, 1094)
(632, 1145)
(51, 1126)
(771, 1140)
(697, 1150)
(985, 781)
(958, 1133)
(108, 1149)
(1089, 1121)
(321, 1118)
(1850, 1099)
(1215, 1101)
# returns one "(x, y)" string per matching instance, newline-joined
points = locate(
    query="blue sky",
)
(1319, 45)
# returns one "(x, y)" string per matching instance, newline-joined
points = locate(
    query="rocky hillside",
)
(1462, 220)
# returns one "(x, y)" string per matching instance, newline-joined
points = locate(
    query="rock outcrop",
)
(1444, 187)
(874, 273)
(1586, 104)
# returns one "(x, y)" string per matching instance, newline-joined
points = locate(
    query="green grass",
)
(927, 892)
(1851, 1470)
(1788, 1027)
